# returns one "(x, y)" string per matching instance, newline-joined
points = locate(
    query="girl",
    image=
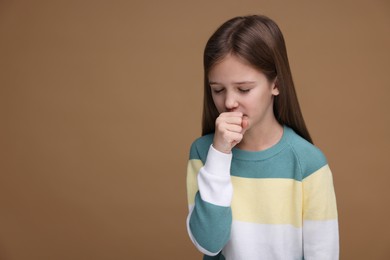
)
(257, 186)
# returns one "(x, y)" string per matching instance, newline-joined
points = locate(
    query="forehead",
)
(233, 69)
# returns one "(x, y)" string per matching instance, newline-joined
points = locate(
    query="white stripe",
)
(251, 241)
(321, 239)
(214, 182)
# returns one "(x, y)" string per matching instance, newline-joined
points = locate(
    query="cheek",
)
(258, 102)
(263, 97)
(218, 102)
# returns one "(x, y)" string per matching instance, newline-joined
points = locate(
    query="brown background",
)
(100, 101)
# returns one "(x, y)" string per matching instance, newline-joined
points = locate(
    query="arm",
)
(320, 225)
(210, 216)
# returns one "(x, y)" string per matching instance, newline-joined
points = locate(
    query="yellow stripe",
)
(193, 168)
(318, 196)
(267, 201)
(276, 201)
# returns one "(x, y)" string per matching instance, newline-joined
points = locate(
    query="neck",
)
(261, 137)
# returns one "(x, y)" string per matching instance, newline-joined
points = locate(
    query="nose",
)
(231, 102)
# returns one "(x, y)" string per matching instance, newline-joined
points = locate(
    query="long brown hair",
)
(258, 40)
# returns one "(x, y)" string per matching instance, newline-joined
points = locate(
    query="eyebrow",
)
(213, 83)
(235, 83)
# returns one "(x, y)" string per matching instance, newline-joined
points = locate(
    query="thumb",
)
(244, 124)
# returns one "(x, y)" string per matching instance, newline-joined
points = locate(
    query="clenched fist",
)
(229, 130)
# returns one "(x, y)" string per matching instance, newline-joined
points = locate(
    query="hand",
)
(229, 130)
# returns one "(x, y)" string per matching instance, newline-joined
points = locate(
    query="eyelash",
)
(217, 91)
(244, 90)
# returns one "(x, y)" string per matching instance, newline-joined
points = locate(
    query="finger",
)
(230, 119)
(231, 114)
(223, 127)
(234, 128)
(245, 122)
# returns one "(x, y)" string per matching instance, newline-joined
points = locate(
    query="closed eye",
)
(244, 90)
(217, 90)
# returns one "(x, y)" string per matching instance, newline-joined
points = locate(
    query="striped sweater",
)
(273, 204)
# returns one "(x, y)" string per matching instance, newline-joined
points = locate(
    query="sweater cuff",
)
(218, 163)
(214, 180)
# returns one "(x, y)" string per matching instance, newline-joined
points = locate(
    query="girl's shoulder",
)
(309, 156)
(200, 147)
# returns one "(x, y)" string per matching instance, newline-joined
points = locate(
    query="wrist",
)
(222, 148)
(218, 163)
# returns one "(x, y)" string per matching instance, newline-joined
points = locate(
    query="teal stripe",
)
(283, 166)
(200, 148)
(310, 157)
(217, 257)
(292, 157)
(210, 224)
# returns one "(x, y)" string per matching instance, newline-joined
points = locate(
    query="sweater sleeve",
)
(210, 194)
(320, 224)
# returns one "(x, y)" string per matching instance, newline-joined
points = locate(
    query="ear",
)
(275, 87)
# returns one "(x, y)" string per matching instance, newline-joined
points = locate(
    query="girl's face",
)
(237, 86)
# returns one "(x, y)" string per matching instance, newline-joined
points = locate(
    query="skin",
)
(244, 98)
